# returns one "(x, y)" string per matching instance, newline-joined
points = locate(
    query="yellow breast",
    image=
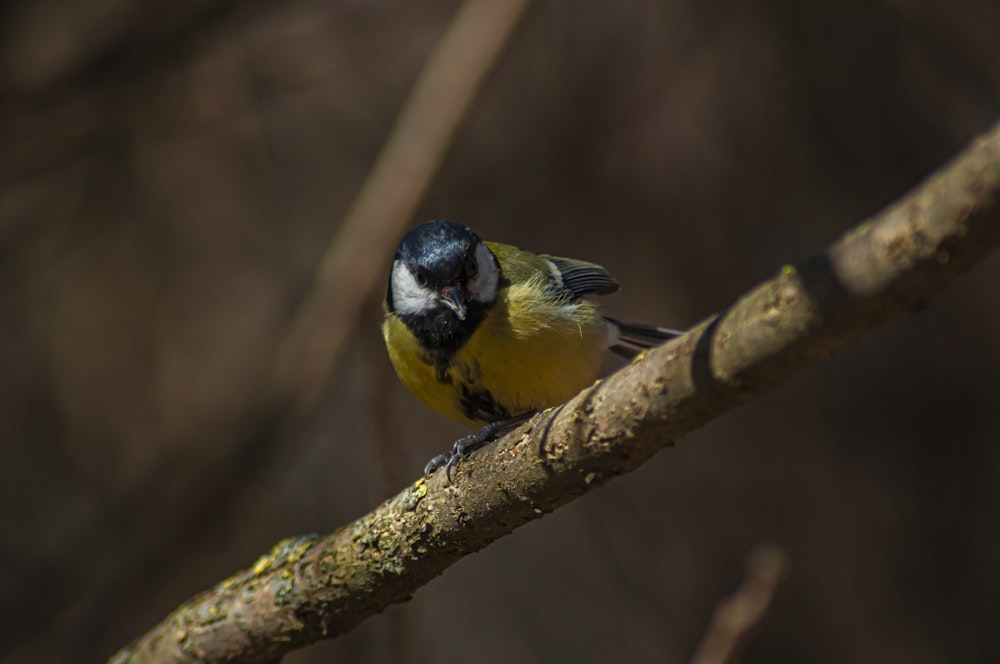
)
(530, 352)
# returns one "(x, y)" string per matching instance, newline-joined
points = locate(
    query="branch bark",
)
(317, 587)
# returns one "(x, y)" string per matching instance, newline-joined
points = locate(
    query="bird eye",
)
(471, 267)
(421, 277)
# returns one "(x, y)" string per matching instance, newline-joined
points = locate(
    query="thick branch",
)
(317, 587)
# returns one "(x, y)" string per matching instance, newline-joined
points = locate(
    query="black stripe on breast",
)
(478, 404)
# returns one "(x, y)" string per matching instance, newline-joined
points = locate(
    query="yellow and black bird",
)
(488, 334)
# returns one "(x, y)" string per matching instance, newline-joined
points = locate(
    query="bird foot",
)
(466, 445)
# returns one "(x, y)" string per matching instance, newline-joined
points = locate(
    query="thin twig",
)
(737, 618)
(314, 587)
(355, 261)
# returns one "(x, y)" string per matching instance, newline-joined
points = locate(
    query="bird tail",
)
(634, 338)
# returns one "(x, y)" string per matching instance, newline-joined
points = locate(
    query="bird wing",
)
(582, 278)
(565, 277)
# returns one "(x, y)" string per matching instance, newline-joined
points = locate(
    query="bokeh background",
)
(171, 172)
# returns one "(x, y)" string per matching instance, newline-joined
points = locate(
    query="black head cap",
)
(439, 248)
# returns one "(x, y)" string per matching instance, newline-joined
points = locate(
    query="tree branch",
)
(318, 587)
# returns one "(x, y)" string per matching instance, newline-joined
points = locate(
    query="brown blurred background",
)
(170, 173)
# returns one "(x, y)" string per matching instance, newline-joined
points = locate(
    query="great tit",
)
(488, 334)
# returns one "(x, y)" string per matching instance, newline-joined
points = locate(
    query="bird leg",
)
(466, 445)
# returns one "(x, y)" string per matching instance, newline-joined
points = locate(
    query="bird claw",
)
(468, 444)
(462, 449)
(437, 462)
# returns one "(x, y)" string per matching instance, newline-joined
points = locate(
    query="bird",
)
(488, 334)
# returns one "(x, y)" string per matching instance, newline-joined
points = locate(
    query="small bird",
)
(488, 334)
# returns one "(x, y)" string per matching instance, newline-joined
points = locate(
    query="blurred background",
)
(171, 172)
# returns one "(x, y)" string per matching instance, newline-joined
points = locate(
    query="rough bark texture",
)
(314, 587)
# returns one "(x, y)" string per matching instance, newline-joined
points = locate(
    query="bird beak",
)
(452, 298)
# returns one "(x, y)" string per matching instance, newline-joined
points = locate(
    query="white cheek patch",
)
(409, 297)
(484, 287)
